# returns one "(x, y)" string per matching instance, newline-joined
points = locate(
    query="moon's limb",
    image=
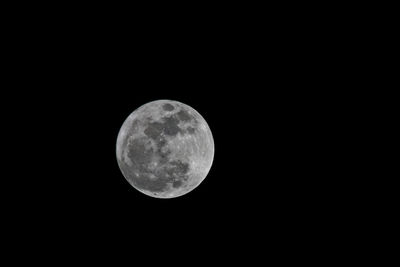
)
(189, 142)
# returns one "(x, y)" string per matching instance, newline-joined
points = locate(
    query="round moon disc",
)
(165, 149)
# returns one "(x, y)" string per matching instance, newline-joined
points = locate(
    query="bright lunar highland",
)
(165, 149)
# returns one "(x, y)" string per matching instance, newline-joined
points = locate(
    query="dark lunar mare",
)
(190, 130)
(176, 184)
(139, 154)
(154, 129)
(177, 171)
(183, 115)
(171, 126)
(168, 127)
(168, 107)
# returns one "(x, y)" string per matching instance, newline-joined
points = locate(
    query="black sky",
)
(264, 93)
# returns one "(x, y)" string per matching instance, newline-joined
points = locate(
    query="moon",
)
(165, 149)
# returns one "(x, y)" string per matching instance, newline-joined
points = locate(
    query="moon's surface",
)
(165, 149)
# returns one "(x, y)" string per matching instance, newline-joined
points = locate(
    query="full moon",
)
(165, 149)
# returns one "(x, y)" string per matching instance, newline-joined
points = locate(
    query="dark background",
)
(266, 86)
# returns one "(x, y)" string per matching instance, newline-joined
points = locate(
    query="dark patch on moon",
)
(154, 129)
(179, 171)
(139, 154)
(171, 126)
(161, 142)
(164, 154)
(183, 115)
(190, 130)
(177, 184)
(180, 167)
(168, 107)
